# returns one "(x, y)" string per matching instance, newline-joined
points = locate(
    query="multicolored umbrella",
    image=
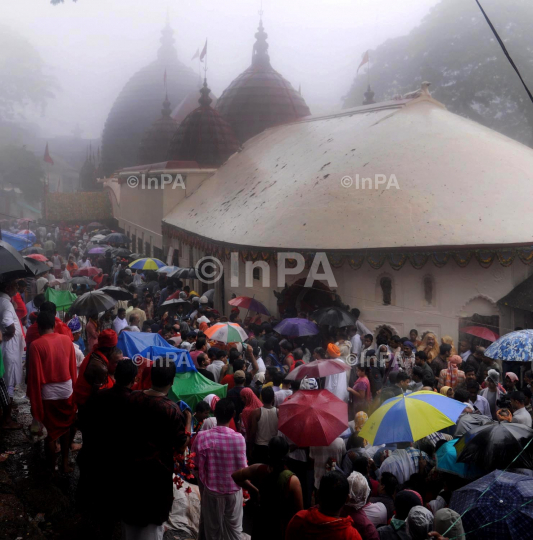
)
(313, 417)
(146, 264)
(411, 417)
(318, 369)
(87, 271)
(480, 332)
(446, 457)
(513, 347)
(226, 333)
(251, 304)
(296, 327)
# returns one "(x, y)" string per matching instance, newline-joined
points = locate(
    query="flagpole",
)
(368, 70)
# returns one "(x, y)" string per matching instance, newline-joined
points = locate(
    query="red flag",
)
(196, 54)
(204, 52)
(47, 157)
(365, 60)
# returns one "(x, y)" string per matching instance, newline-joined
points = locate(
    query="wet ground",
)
(33, 504)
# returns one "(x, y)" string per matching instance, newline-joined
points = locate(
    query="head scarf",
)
(333, 351)
(308, 384)
(74, 324)
(359, 490)
(511, 376)
(107, 338)
(452, 371)
(251, 403)
(419, 523)
(212, 400)
(409, 344)
(444, 390)
(360, 420)
(448, 522)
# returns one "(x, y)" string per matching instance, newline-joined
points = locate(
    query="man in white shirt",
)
(520, 413)
(479, 402)
(12, 338)
(321, 454)
(120, 321)
(216, 366)
(336, 384)
(357, 344)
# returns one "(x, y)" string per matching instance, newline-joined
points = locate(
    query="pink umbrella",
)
(251, 304)
(317, 369)
(87, 271)
(480, 332)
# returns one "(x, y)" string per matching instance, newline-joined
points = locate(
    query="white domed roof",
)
(459, 183)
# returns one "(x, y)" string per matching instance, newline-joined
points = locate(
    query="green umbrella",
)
(192, 387)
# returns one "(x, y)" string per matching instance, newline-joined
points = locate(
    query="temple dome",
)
(203, 136)
(260, 97)
(157, 137)
(139, 103)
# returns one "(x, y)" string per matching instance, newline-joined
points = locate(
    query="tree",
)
(455, 50)
(24, 82)
(20, 168)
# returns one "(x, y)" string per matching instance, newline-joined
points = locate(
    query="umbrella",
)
(117, 238)
(32, 250)
(296, 327)
(95, 225)
(146, 264)
(317, 369)
(513, 347)
(499, 505)
(210, 295)
(92, 302)
(38, 257)
(411, 417)
(184, 273)
(495, 446)
(87, 271)
(446, 457)
(167, 269)
(480, 332)
(313, 417)
(28, 234)
(97, 250)
(119, 252)
(174, 303)
(251, 304)
(226, 333)
(82, 280)
(11, 263)
(469, 421)
(36, 267)
(334, 316)
(97, 238)
(118, 293)
(135, 256)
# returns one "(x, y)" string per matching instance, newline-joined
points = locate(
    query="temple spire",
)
(205, 100)
(167, 51)
(166, 111)
(369, 96)
(260, 56)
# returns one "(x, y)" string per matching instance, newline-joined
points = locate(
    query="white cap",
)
(203, 300)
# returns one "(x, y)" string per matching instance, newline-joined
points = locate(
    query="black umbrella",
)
(92, 302)
(118, 293)
(32, 251)
(82, 280)
(117, 238)
(467, 422)
(333, 316)
(135, 256)
(36, 267)
(119, 252)
(210, 294)
(184, 273)
(495, 446)
(12, 265)
(172, 305)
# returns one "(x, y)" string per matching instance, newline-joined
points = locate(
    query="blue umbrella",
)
(180, 357)
(513, 347)
(500, 502)
(296, 327)
(447, 462)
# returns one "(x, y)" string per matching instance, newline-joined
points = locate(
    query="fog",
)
(92, 47)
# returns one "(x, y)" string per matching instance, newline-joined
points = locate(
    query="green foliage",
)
(455, 50)
(22, 169)
(24, 81)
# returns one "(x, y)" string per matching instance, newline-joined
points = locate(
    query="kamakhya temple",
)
(262, 176)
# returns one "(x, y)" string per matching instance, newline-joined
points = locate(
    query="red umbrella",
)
(38, 257)
(87, 271)
(480, 332)
(313, 417)
(250, 304)
(318, 369)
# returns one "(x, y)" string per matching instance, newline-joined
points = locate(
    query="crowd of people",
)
(163, 470)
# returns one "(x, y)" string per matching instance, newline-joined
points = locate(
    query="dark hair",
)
(444, 348)
(120, 310)
(277, 378)
(461, 395)
(474, 385)
(267, 395)
(369, 336)
(404, 501)
(333, 492)
(238, 364)
(285, 344)
(202, 407)
(39, 300)
(354, 441)
(278, 448)
(390, 483)
(401, 376)
(233, 355)
(418, 371)
(224, 411)
(50, 307)
(298, 354)
(200, 359)
(395, 338)
(518, 396)
(469, 368)
(200, 342)
(360, 465)
(527, 392)
(125, 372)
(413, 330)
(163, 375)
(422, 355)
(356, 313)
(221, 354)
(528, 373)
(46, 320)
(428, 380)
(320, 352)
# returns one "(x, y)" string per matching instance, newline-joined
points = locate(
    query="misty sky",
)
(92, 47)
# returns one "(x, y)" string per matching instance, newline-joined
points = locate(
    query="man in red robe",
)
(51, 378)
(59, 328)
